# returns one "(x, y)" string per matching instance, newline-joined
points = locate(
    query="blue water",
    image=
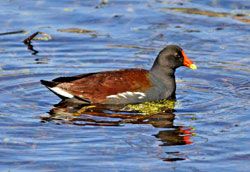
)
(209, 128)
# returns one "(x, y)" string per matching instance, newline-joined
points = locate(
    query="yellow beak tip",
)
(193, 66)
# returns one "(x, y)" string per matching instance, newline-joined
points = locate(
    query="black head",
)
(172, 56)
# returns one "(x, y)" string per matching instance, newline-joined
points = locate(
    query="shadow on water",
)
(67, 112)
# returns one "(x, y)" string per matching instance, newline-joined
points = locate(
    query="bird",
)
(125, 86)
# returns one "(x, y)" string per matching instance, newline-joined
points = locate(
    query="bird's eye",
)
(177, 55)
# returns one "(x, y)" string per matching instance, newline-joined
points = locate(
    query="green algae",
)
(145, 108)
(42, 37)
(152, 107)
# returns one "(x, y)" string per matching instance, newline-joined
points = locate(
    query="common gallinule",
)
(126, 86)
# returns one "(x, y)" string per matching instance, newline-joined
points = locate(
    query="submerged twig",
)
(27, 42)
(44, 37)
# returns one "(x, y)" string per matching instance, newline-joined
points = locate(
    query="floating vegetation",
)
(240, 17)
(158, 114)
(130, 111)
(75, 30)
(152, 107)
(79, 31)
(199, 12)
(43, 37)
(147, 108)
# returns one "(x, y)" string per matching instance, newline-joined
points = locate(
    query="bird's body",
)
(126, 86)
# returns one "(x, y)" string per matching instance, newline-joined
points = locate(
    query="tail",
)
(49, 83)
(52, 86)
(60, 92)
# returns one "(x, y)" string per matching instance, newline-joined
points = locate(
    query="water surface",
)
(209, 127)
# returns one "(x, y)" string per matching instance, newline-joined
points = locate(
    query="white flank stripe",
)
(140, 93)
(141, 97)
(122, 95)
(61, 92)
(127, 94)
(112, 96)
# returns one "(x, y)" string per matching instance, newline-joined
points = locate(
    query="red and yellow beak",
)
(187, 62)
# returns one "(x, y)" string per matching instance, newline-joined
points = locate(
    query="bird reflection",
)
(68, 112)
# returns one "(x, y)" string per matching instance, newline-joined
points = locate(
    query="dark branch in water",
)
(28, 40)
(14, 32)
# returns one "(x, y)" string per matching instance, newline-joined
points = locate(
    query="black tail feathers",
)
(49, 83)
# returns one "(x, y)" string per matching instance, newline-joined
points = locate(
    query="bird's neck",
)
(163, 72)
(167, 77)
